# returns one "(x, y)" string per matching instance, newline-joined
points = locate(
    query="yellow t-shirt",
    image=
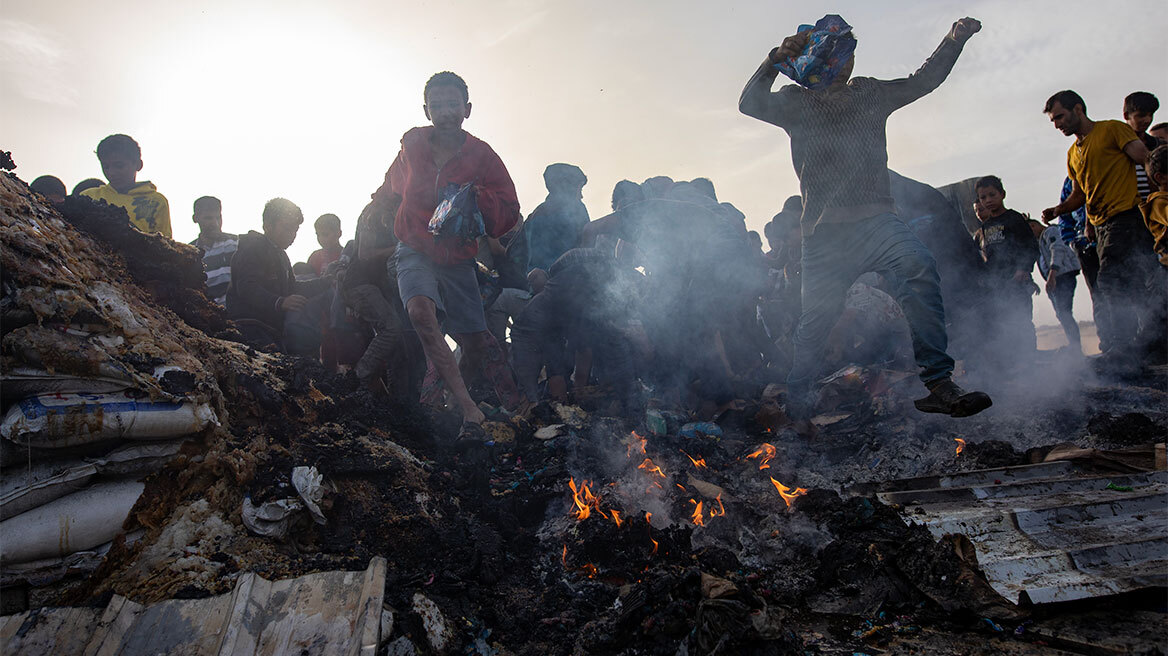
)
(1103, 171)
(148, 209)
(1155, 211)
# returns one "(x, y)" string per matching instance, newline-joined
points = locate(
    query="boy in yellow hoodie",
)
(1155, 208)
(121, 159)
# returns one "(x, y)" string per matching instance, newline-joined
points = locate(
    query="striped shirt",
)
(217, 262)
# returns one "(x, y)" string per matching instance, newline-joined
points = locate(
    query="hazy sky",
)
(248, 100)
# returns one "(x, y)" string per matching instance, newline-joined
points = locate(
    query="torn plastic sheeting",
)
(63, 420)
(271, 518)
(309, 485)
(76, 522)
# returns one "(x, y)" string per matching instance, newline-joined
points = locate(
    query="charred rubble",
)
(570, 533)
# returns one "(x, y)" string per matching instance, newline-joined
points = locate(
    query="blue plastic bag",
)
(830, 45)
(457, 216)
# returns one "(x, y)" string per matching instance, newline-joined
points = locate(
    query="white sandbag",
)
(20, 456)
(50, 570)
(62, 420)
(32, 486)
(79, 521)
(23, 382)
(27, 488)
(138, 458)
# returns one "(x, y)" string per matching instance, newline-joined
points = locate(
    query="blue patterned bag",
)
(457, 217)
(830, 45)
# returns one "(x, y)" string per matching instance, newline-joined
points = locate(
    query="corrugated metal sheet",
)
(325, 613)
(1049, 532)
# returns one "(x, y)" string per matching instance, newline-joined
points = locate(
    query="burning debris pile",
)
(568, 533)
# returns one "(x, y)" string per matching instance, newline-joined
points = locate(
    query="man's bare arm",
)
(1072, 203)
(935, 69)
(1136, 151)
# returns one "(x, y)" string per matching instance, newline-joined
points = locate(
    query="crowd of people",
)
(670, 298)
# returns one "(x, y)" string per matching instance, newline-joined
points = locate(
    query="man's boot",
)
(946, 398)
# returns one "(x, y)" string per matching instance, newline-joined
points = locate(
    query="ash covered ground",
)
(597, 536)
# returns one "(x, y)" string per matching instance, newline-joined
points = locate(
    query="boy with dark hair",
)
(554, 226)
(121, 159)
(264, 290)
(1009, 249)
(1155, 208)
(1101, 164)
(1059, 267)
(1160, 131)
(51, 187)
(1138, 109)
(87, 183)
(840, 152)
(436, 274)
(218, 247)
(328, 235)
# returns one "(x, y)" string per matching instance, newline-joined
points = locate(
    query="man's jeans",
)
(833, 257)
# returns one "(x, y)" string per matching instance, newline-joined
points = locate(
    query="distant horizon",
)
(245, 103)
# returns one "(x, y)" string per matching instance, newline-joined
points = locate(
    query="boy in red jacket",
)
(436, 274)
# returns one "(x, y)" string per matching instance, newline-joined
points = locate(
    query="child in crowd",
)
(1010, 251)
(1059, 266)
(51, 187)
(328, 235)
(1138, 110)
(121, 159)
(1155, 208)
(218, 247)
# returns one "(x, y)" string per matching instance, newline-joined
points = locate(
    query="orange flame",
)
(960, 444)
(680, 486)
(585, 501)
(635, 440)
(616, 517)
(655, 545)
(698, 520)
(649, 467)
(787, 493)
(721, 509)
(591, 569)
(765, 452)
(564, 557)
(698, 462)
(649, 518)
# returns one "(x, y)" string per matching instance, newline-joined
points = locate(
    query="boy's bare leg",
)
(484, 352)
(424, 317)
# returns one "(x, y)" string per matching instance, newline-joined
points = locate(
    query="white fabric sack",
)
(63, 420)
(79, 521)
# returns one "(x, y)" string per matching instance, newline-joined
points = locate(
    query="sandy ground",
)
(1052, 337)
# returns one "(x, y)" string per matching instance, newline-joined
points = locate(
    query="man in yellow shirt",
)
(1101, 165)
(121, 159)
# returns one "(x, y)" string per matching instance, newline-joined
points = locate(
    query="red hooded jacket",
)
(419, 182)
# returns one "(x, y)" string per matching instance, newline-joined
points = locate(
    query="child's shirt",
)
(148, 209)
(1155, 210)
(321, 258)
(414, 176)
(1053, 252)
(1008, 245)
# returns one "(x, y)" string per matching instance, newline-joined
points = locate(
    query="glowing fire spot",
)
(697, 462)
(564, 557)
(650, 468)
(787, 493)
(765, 453)
(616, 517)
(680, 486)
(649, 518)
(655, 545)
(721, 509)
(585, 500)
(698, 520)
(590, 569)
(635, 442)
(960, 444)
